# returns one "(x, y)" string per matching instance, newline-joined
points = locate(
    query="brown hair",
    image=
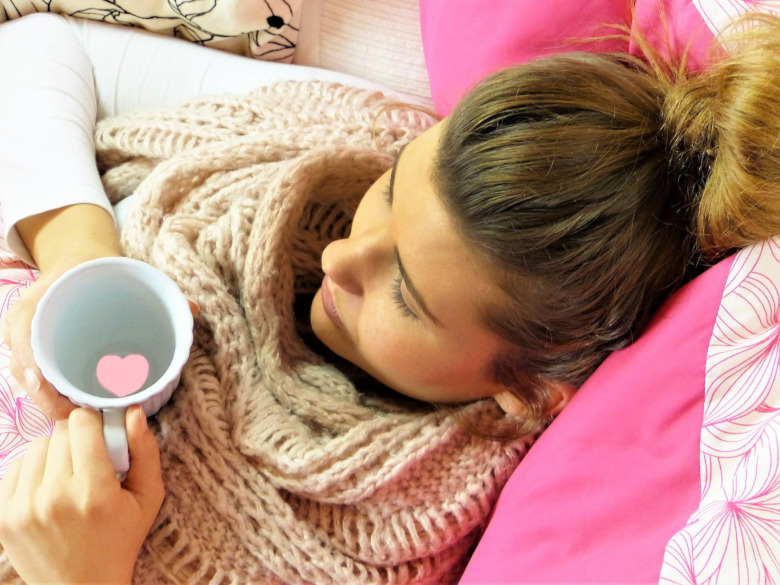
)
(738, 107)
(590, 184)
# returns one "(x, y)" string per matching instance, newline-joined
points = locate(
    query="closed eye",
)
(398, 298)
(388, 194)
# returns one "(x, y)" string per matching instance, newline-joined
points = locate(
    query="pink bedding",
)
(666, 465)
(463, 42)
(664, 468)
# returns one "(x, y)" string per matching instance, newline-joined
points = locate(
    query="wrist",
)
(77, 253)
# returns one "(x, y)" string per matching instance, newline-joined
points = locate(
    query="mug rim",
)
(182, 323)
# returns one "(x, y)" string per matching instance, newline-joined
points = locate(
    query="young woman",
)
(508, 250)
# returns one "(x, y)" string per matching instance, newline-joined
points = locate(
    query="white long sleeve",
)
(47, 117)
(58, 75)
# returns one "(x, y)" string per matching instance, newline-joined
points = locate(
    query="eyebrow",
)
(391, 188)
(405, 275)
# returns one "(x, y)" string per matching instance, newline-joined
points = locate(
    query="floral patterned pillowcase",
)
(264, 30)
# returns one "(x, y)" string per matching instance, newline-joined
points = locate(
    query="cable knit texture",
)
(277, 468)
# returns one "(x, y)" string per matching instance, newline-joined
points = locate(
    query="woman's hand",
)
(65, 518)
(16, 334)
(58, 241)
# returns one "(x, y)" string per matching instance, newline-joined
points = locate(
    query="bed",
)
(665, 467)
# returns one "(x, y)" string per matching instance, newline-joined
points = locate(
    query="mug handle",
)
(115, 436)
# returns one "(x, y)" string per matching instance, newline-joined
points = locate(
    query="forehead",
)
(453, 278)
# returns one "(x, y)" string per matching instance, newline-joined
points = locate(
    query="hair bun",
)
(689, 133)
(729, 118)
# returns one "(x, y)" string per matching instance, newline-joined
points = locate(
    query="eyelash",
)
(388, 195)
(398, 298)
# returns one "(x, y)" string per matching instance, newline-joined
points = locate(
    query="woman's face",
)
(403, 294)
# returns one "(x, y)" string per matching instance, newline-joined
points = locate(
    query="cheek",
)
(379, 334)
(375, 341)
(399, 351)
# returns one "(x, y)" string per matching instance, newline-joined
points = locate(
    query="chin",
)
(336, 339)
(340, 343)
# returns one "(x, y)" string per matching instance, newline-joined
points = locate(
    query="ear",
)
(560, 394)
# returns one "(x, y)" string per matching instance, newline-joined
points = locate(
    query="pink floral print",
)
(20, 422)
(734, 535)
(20, 419)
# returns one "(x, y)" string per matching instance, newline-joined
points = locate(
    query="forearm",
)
(61, 238)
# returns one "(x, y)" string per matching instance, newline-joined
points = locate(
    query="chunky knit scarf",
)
(278, 469)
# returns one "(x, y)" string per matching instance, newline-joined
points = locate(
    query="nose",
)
(352, 262)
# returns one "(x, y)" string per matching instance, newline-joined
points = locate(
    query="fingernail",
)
(32, 382)
(194, 307)
(142, 419)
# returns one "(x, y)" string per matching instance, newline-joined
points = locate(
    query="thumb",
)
(144, 479)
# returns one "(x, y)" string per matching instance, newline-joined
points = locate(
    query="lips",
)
(329, 305)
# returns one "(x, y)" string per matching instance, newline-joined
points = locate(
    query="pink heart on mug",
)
(122, 376)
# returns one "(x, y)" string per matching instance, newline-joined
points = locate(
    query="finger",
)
(10, 480)
(17, 328)
(17, 325)
(52, 403)
(13, 323)
(88, 449)
(44, 395)
(144, 479)
(194, 307)
(31, 380)
(22, 363)
(4, 331)
(59, 464)
(33, 465)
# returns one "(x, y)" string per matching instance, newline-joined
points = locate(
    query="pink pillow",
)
(673, 28)
(465, 40)
(598, 497)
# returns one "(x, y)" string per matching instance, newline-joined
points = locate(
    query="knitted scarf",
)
(278, 469)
